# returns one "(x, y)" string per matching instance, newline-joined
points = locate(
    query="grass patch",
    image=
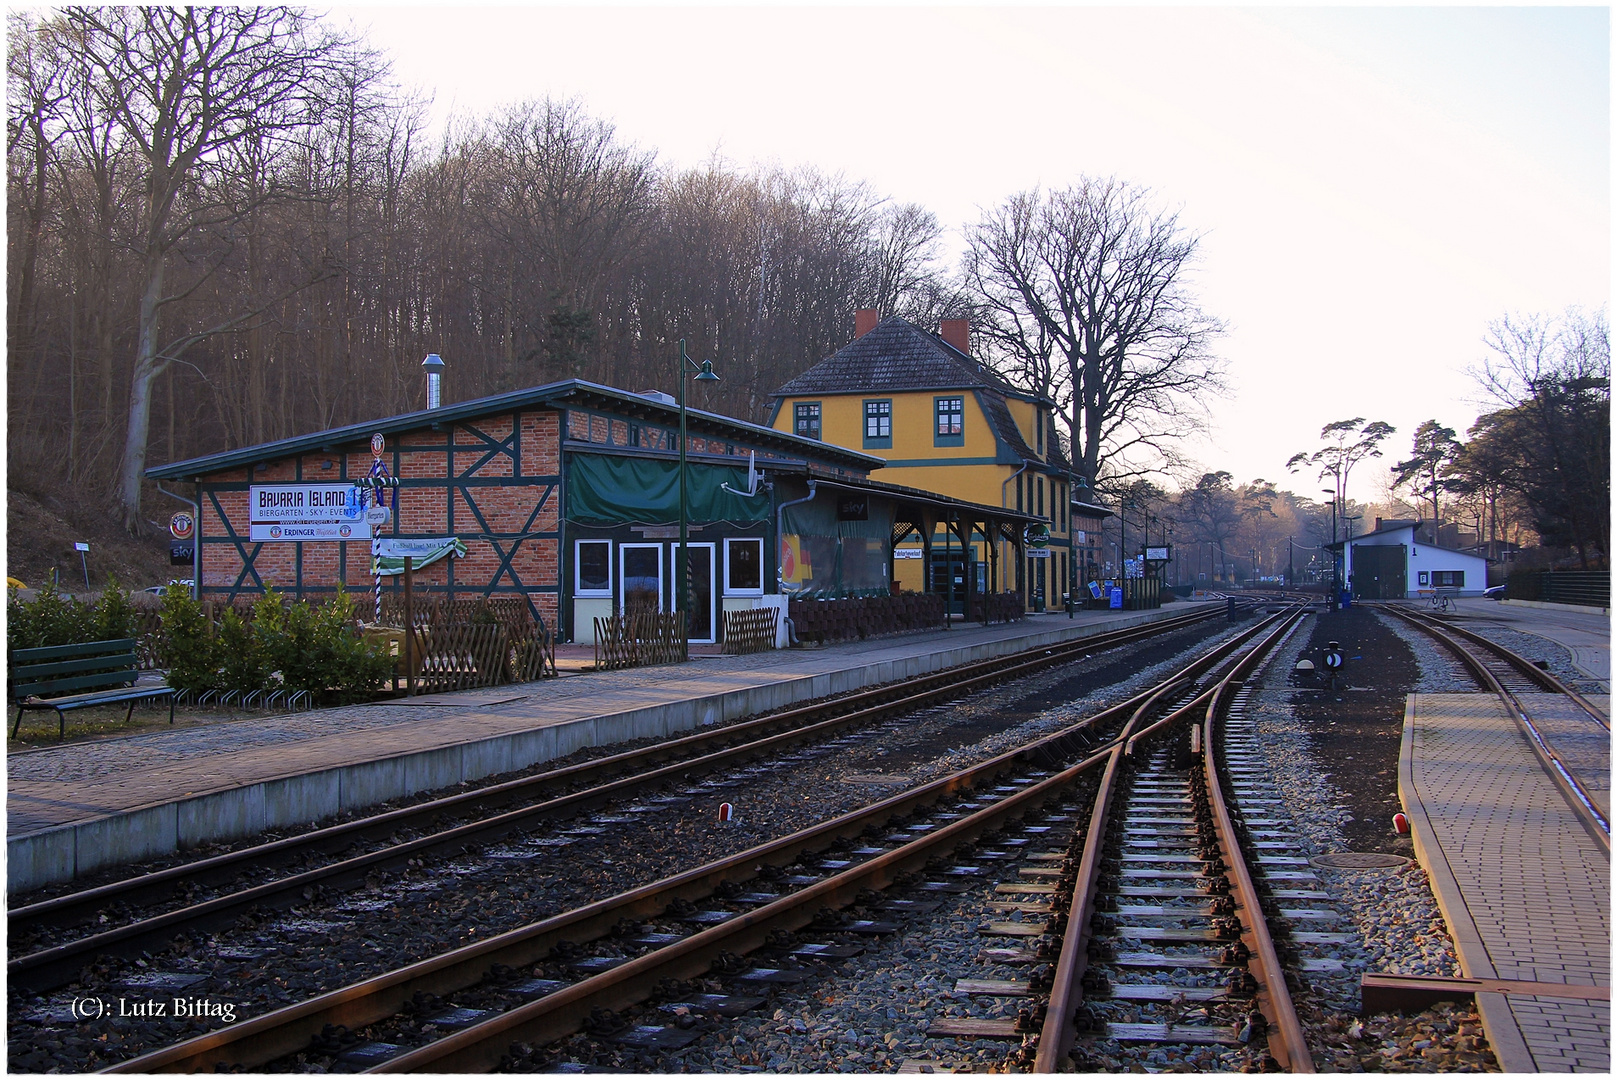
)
(107, 721)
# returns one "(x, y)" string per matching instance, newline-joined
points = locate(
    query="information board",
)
(306, 512)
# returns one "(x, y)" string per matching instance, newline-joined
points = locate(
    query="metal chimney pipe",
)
(435, 371)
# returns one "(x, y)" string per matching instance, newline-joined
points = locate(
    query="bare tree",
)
(1551, 442)
(572, 200)
(905, 276)
(181, 87)
(1085, 294)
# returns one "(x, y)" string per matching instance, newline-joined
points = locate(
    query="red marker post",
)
(726, 812)
(1400, 824)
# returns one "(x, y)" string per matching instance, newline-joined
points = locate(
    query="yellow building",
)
(945, 424)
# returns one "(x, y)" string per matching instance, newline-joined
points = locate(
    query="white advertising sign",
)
(264, 531)
(1038, 553)
(306, 512)
(282, 503)
(416, 549)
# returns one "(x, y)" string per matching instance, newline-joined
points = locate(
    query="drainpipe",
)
(1002, 498)
(780, 529)
(196, 537)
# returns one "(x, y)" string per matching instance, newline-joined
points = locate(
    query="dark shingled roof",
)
(896, 355)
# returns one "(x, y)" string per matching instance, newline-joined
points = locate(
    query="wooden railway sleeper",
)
(565, 1003)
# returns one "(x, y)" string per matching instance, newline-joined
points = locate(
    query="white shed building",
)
(1395, 562)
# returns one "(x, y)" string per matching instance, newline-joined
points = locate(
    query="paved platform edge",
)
(63, 852)
(1546, 605)
(1504, 1036)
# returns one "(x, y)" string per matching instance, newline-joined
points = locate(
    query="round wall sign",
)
(181, 526)
(378, 444)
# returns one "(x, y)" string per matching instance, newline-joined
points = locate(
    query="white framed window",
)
(592, 568)
(640, 569)
(743, 566)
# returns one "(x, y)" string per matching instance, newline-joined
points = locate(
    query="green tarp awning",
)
(604, 490)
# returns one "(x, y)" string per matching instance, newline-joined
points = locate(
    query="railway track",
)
(589, 963)
(1516, 681)
(277, 875)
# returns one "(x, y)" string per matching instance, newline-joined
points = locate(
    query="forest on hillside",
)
(230, 225)
(319, 248)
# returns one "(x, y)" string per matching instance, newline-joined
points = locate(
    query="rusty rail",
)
(1058, 1034)
(262, 1039)
(1577, 795)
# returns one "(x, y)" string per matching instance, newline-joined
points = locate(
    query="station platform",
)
(1523, 884)
(76, 808)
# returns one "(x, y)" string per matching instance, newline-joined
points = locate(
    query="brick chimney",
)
(956, 332)
(864, 321)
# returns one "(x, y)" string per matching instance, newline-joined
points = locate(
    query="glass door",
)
(703, 610)
(640, 569)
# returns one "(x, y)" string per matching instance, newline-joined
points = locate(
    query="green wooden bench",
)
(110, 665)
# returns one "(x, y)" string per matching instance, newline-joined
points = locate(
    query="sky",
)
(1372, 186)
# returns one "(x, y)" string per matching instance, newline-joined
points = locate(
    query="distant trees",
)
(1084, 295)
(226, 226)
(1550, 442)
(1233, 520)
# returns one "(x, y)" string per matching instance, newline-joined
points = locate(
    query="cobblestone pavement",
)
(1526, 890)
(83, 780)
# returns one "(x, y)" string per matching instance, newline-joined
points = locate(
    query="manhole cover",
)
(1358, 860)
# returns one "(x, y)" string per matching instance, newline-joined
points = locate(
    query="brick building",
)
(565, 495)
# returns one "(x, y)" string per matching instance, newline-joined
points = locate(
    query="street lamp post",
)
(1336, 586)
(704, 373)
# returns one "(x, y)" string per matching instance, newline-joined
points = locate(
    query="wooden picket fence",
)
(750, 631)
(458, 643)
(640, 639)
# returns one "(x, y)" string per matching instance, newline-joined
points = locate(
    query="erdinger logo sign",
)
(305, 512)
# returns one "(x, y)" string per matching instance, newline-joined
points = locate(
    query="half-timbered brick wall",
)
(492, 481)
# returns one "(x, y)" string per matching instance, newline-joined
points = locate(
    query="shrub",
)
(318, 650)
(115, 616)
(240, 656)
(49, 619)
(54, 619)
(192, 653)
(287, 646)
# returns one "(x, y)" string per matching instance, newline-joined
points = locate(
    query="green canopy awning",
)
(605, 490)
